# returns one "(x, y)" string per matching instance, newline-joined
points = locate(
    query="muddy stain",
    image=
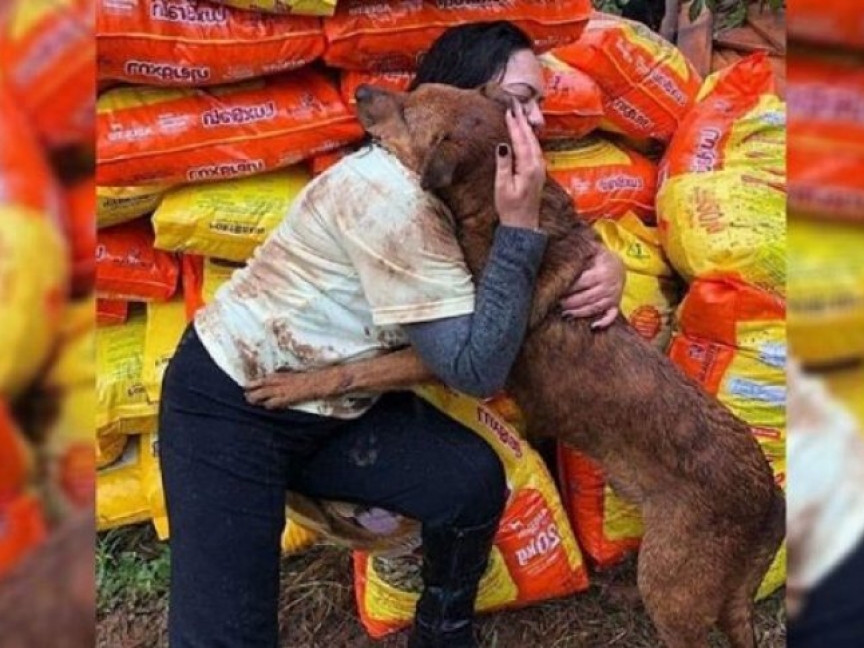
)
(364, 453)
(251, 361)
(287, 343)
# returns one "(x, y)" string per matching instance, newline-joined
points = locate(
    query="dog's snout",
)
(364, 93)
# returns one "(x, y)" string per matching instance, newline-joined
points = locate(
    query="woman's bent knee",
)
(478, 487)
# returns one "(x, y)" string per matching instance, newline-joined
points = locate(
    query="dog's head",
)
(444, 134)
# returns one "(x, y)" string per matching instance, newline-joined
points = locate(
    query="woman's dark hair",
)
(467, 56)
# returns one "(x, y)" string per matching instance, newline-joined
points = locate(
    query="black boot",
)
(453, 562)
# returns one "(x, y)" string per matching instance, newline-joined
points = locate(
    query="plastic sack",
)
(826, 162)
(229, 219)
(202, 277)
(122, 403)
(165, 325)
(652, 291)
(604, 180)
(607, 527)
(733, 342)
(150, 136)
(48, 52)
(825, 292)
(111, 311)
(115, 205)
(832, 22)
(34, 273)
(393, 35)
(648, 84)
(129, 268)
(191, 44)
(721, 207)
(120, 496)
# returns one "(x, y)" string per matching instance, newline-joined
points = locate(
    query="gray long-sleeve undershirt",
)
(474, 353)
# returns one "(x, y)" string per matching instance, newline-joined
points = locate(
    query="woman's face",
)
(523, 80)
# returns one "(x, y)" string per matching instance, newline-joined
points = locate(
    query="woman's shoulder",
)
(371, 177)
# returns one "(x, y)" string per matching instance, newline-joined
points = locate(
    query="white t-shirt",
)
(362, 250)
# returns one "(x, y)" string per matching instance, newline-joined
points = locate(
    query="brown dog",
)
(714, 518)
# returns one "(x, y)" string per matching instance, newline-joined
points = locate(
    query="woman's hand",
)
(283, 389)
(597, 292)
(520, 175)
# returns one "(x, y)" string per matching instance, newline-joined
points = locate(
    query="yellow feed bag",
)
(825, 291)
(122, 403)
(652, 290)
(166, 322)
(120, 497)
(722, 200)
(115, 205)
(229, 219)
(34, 275)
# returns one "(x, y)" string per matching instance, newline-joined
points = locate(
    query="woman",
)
(352, 271)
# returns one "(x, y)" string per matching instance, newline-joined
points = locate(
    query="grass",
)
(131, 568)
(317, 606)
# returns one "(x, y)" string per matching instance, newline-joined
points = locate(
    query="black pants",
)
(226, 466)
(833, 616)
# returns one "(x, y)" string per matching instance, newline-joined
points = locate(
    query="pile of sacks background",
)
(826, 196)
(826, 293)
(211, 117)
(47, 270)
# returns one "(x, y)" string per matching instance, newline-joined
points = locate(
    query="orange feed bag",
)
(607, 527)
(648, 84)
(202, 277)
(826, 143)
(190, 43)
(129, 268)
(605, 180)
(834, 22)
(81, 234)
(393, 35)
(150, 136)
(111, 311)
(721, 206)
(320, 163)
(732, 341)
(25, 177)
(573, 105)
(47, 49)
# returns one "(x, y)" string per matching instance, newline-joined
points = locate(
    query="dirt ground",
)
(318, 611)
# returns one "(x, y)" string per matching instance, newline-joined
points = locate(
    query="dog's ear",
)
(492, 90)
(438, 167)
(381, 111)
